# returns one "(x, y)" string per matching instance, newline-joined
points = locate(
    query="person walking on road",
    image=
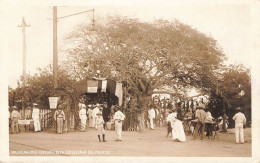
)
(177, 128)
(36, 118)
(83, 117)
(118, 119)
(90, 116)
(200, 126)
(15, 116)
(59, 117)
(151, 116)
(94, 114)
(100, 126)
(240, 120)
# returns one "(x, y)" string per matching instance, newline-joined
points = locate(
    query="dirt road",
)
(148, 143)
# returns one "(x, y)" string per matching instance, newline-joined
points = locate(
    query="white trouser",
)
(151, 123)
(37, 125)
(118, 129)
(239, 132)
(101, 130)
(83, 123)
(91, 122)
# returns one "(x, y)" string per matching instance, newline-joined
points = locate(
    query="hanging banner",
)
(119, 93)
(53, 102)
(104, 86)
(92, 86)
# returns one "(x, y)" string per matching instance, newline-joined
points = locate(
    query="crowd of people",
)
(96, 117)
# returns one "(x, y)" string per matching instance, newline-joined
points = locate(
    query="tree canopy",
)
(144, 56)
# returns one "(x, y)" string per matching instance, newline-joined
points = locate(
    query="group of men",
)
(15, 115)
(96, 120)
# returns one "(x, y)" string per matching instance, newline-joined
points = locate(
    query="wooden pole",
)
(55, 48)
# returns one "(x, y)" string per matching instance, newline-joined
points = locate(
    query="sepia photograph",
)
(141, 81)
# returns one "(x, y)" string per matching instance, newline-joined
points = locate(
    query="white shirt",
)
(239, 118)
(169, 117)
(82, 113)
(35, 113)
(15, 114)
(119, 116)
(89, 112)
(94, 112)
(151, 113)
(209, 118)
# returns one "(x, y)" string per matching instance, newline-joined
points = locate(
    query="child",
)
(240, 120)
(100, 126)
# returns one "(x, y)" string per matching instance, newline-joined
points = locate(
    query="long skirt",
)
(178, 131)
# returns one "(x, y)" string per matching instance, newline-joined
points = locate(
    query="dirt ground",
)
(152, 143)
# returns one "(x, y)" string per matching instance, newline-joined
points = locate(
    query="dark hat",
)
(238, 109)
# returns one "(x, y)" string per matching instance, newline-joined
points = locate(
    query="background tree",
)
(235, 83)
(143, 56)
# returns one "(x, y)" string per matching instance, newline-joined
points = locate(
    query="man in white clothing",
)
(118, 119)
(36, 118)
(151, 116)
(94, 114)
(83, 117)
(90, 116)
(240, 120)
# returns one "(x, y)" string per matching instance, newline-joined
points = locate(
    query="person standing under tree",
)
(90, 116)
(177, 128)
(59, 117)
(118, 119)
(36, 118)
(151, 116)
(240, 120)
(83, 117)
(100, 126)
(15, 116)
(200, 126)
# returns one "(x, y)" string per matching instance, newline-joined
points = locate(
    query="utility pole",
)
(23, 26)
(55, 49)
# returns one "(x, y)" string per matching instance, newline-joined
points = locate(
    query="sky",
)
(229, 24)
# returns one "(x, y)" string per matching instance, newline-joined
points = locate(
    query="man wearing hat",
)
(94, 114)
(36, 118)
(118, 119)
(151, 116)
(200, 126)
(90, 116)
(59, 117)
(15, 116)
(240, 120)
(100, 126)
(83, 117)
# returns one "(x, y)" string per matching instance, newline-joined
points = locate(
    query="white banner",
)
(53, 102)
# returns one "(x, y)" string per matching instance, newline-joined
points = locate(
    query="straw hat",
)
(238, 109)
(14, 107)
(201, 106)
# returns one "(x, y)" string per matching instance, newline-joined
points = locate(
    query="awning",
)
(100, 85)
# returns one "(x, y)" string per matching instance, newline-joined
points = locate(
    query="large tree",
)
(144, 56)
(235, 86)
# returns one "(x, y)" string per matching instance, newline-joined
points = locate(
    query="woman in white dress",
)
(177, 129)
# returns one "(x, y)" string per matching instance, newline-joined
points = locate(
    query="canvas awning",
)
(100, 85)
